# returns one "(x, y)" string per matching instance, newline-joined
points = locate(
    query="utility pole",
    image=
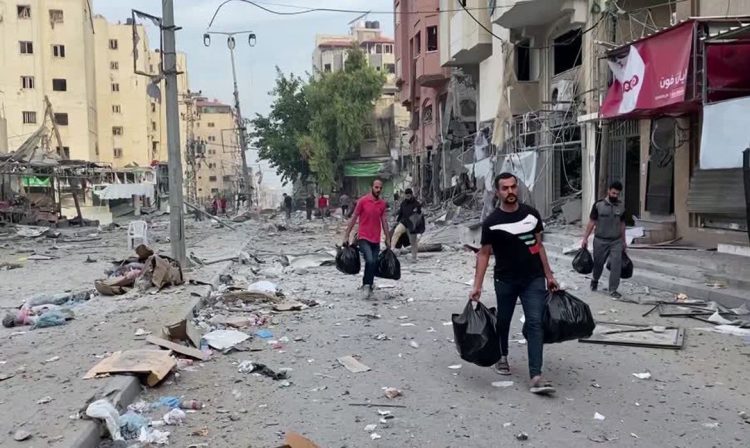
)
(611, 21)
(241, 129)
(176, 216)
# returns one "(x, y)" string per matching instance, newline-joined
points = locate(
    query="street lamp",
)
(240, 123)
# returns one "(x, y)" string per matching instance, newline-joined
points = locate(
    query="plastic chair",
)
(137, 234)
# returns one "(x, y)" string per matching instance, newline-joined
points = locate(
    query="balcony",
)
(528, 13)
(469, 43)
(429, 72)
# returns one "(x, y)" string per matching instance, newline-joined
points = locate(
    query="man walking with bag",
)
(370, 213)
(513, 232)
(410, 207)
(608, 218)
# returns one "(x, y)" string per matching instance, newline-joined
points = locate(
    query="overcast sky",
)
(284, 41)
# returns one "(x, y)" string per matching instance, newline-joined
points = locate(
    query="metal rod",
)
(176, 218)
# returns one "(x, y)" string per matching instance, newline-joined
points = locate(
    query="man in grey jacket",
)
(607, 218)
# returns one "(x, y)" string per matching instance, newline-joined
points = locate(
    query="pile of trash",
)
(145, 270)
(136, 424)
(46, 310)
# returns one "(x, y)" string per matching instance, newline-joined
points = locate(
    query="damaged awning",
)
(126, 191)
(366, 169)
(651, 75)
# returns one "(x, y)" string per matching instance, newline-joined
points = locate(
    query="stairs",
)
(676, 271)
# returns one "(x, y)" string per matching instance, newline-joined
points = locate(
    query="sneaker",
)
(502, 367)
(594, 285)
(615, 295)
(366, 291)
(539, 386)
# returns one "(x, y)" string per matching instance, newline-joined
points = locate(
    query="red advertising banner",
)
(652, 75)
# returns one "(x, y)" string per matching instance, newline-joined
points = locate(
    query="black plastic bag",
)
(416, 224)
(566, 318)
(347, 259)
(403, 241)
(388, 265)
(476, 336)
(626, 270)
(583, 262)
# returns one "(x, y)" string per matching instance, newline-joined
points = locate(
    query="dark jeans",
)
(370, 252)
(533, 295)
(309, 213)
(345, 211)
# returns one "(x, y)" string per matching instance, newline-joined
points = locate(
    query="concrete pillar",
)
(588, 170)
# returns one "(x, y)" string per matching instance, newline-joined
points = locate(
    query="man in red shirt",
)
(370, 212)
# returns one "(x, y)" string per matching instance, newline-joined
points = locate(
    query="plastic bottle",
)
(191, 404)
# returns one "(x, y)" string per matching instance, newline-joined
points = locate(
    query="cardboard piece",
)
(116, 285)
(183, 330)
(163, 271)
(177, 348)
(156, 364)
(294, 440)
(289, 306)
(352, 364)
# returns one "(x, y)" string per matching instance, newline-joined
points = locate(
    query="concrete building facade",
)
(219, 167)
(47, 49)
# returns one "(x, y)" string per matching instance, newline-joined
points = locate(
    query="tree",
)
(341, 106)
(277, 135)
(314, 127)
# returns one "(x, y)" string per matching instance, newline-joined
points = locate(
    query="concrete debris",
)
(522, 436)
(392, 392)
(21, 435)
(224, 339)
(502, 384)
(643, 376)
(598, 416)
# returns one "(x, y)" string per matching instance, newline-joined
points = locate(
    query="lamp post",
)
(239, 120)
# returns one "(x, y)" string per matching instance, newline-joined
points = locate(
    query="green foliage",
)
(276, 135)
(313, 128)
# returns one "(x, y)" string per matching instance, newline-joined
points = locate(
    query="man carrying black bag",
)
(608, 218)
(513, 232)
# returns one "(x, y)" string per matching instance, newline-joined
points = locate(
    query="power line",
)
(306, 10)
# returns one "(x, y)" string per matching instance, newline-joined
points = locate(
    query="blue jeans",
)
(370, 252)
(533, 295)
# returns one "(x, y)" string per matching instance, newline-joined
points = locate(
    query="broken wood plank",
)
(177, 348)
(352, 364)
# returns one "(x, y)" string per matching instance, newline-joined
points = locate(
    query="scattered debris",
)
(294, 440)
(44, 400)
(414, 344)
(52, 359)
(225, 339)
(392, 392)
(104, 410)
(375, 436)
(141, 332)
(352, 364)
(643, 376)
(254, 367)
(155, 364)
(175, 417)
(455, 367)
(371, 428)
(177, 348)
(502, 384)
(598, 416)
(522, 436)
(21, 435)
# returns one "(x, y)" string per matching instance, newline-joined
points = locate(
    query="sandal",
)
(502, 367)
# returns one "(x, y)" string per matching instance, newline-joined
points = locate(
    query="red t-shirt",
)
(370, 212)
(322, 202)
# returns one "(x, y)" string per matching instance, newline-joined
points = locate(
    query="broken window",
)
(117, 153)
(390, 68)
(27, 82)
(117, 130)
(327, 67)
(26, 47)
(24, 11)
(432, 38)
(427, 114)
(114, 65)
(59, 85)
(58, 51)
(211, 124)
(65, 152)
(55, 16)
(29, 117)
(115, 87)
(113, 45)
(116, 109)
(61, 119)
(523, 60)
(227, 178)
(212, 178)
(418, 43)
(567, 51)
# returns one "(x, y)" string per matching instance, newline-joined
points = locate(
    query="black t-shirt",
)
(513, 240)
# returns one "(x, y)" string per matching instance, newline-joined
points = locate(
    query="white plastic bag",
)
(104, 410)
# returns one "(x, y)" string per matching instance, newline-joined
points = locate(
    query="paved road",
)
(693, 398)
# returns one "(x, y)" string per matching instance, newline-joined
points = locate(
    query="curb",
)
(124, 389)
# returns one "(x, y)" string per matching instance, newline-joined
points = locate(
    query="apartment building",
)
(132, 116)
(47, 50)
(423, 85)
(85, 65)
(219, 169)
(383, 137)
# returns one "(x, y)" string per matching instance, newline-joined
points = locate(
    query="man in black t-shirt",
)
(513, 232)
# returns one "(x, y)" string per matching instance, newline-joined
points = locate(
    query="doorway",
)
(632, 179)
